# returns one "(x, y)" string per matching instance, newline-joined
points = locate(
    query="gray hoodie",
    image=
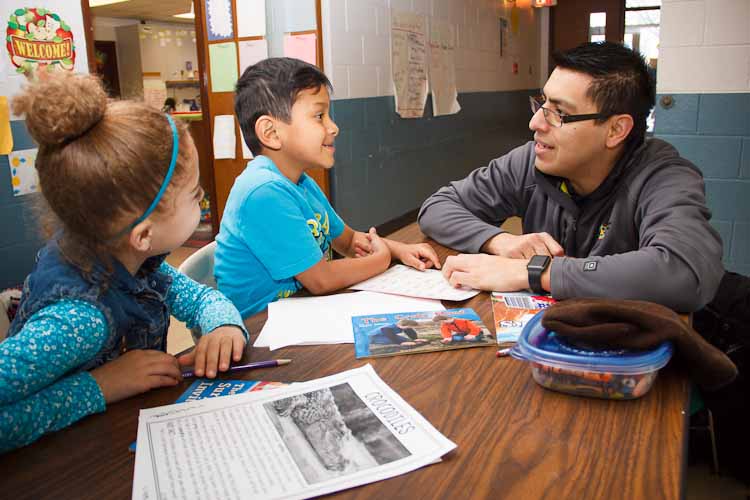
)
(642, 234)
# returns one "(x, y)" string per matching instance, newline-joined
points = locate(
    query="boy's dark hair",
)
(621, 81)
(270, 87)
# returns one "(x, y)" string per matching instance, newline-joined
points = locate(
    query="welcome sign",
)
(37, 39)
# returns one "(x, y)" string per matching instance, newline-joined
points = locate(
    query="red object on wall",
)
(515, 68)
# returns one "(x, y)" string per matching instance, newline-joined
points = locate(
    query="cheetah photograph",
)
(331, 432)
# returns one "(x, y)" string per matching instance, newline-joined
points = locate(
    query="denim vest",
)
(134, 306)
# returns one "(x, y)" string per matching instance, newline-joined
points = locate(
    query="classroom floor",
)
(702, 483)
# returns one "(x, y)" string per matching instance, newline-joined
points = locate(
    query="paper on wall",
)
(303, 47)
(224, 138)
(219, 19)
(251, 52)
(299, 441)
(409, 63)
(154, 92)
(222, 58)
(443, 68)
(23, 174)
(251, 18)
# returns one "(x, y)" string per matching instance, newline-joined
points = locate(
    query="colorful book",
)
(512, 311)
(422, 331)
(204, 388)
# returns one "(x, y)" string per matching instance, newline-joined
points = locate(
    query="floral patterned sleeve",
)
(199, 305)
(37, 393)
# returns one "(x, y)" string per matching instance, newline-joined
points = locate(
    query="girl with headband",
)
(120, 189)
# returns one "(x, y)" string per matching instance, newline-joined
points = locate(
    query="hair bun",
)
(61, 106)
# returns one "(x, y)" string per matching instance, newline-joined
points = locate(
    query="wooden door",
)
(570, 22)
(215, 103)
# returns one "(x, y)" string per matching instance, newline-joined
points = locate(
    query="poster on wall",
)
(23, 176)
(409, 63)
(443, 68)
(40, 35)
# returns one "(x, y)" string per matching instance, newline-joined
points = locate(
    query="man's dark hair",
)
(270, 87)
(621, 81)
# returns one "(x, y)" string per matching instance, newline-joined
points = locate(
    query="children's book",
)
(512, 311)
(204, 388)
(422, 331)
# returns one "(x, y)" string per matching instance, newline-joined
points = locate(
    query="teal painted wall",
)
(20, 238)
(713, 131)
(387, 166)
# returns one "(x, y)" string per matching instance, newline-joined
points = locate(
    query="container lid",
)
(537, 344)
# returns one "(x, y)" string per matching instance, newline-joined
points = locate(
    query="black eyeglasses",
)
(555, 118)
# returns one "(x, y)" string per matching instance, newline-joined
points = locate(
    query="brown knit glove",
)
(633, 324)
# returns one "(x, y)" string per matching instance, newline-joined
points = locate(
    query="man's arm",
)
(678, 263)
(466, 213)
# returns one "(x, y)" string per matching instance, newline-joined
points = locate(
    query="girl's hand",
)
(136, 372)
(215, 350)
(419, 256)
(361, 244)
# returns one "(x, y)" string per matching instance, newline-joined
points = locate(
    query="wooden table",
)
(515, 439)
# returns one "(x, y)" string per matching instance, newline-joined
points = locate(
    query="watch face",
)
(538, 262)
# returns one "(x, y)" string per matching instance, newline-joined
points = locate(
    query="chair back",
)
(200, 265)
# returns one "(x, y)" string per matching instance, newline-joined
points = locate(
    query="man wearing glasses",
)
(606, 212)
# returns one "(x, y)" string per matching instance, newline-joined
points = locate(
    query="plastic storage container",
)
(562, 366)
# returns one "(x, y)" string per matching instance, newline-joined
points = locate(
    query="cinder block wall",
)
(704, 65)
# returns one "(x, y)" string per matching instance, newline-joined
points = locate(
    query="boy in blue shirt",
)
(278, 229)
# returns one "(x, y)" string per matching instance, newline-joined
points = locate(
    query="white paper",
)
(409, 63)
(251, 52)
(333, 317)
(219, 19)
(299, 441)
(443, 68)
(224, 138)
(404, 280)
(251, 18)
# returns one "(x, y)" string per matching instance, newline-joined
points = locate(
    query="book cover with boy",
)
(512, 311)
(422, 331)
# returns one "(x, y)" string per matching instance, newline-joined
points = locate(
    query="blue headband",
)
(164, 184)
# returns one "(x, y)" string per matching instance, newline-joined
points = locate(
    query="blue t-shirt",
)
(272, 230)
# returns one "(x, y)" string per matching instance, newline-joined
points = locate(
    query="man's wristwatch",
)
(535, 268)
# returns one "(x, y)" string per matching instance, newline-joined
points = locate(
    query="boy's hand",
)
(135, 372)
(361, 244)
(215, 350)
(379, 246)
(419, 256)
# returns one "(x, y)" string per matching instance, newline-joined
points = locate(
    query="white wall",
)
(704, 47)
(104, 27)
(356, 44)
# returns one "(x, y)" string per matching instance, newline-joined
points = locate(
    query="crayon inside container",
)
(562, 366)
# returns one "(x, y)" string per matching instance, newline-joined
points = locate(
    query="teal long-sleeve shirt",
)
(40, 390)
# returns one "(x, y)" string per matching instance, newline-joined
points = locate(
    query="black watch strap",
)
(536, 267)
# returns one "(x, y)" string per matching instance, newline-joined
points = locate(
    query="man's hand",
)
(419, 256)
(215, 350)
(523, 246)
(486, 272)
(135, 372)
